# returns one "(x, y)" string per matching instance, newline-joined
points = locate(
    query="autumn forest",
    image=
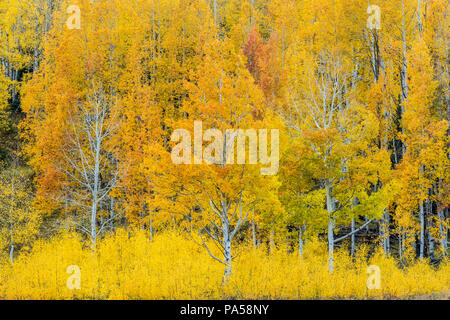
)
(224, 149)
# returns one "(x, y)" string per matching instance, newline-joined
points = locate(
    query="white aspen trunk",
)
(288, 249)
(271, 241)
(422, 231)
(95, 189)
(227, 237)
(11, 252)
(141, 215)
(446, 231)
(386, 232)
(11, 224)
(66, 204)
(94, 221)
(227, 232)
(442, 232)
(429, 213)
(102, 219)
(300, 242)
(226, 247)
(404, 71)
(150, 228)
(330, 209)
(254, 233)
(381, 232)
(227, 273)
(12, 205)
(352, 250)
(419, 15)
(111, 214)
(430, 245)
(330, 244)
(404, 61)
(215, 12)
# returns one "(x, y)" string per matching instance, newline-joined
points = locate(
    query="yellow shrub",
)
(127, 265)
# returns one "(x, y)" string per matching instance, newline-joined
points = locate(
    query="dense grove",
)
(95, 97)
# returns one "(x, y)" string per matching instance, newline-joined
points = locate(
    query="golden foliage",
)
(127, 265)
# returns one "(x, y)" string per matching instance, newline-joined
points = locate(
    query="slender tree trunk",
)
(386, 232)
(330, 209)
(95, 191)
(111, 214)
(419, 15)
(352, 250)
(404, 72)
(226, 242)
(429, 214)
(271, 241)
(227, 250)
(215, 12)
(381, 232)
(431, 245)
(150, 228)
(330, 244)
(422, 230)
(66, 204)
(254, 233)
(11, 218)
(442, 231)
(11, 251)
(94, 222)
(300, 242)
(400, 247)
